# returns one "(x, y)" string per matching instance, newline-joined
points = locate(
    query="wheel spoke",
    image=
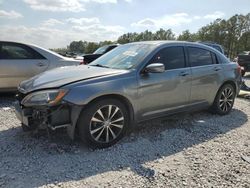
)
(117, 120)
(225, 107)
(101, 114)
(222, 104)
(230, 94)
(116, 125)
(99, 135)
(109, 112)
(112, 132)
(229, 103)
(223, 93)
(116, 110)
(96, 130)
(107, 134)
(96, 120)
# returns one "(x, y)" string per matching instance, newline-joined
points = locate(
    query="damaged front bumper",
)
(52, 117)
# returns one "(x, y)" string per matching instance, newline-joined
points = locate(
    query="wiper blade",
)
(99, 65)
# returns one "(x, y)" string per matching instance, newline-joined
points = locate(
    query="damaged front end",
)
(46, 109)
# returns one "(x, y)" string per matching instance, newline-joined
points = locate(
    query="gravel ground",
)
(187, 150)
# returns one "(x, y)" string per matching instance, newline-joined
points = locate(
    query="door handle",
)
(183, 74)
(40, 64)
(217, 68)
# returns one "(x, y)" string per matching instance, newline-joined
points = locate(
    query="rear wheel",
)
(103, 123)
(224, 100)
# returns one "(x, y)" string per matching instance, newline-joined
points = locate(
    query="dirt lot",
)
(195, 150)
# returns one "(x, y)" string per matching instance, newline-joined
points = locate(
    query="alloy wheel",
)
(226, 99)
(106, 124)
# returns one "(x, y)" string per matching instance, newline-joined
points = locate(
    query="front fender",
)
(82, 94)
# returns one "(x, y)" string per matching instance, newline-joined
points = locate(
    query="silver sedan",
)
(19, 62)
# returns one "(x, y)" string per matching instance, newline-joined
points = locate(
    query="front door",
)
(160, 93)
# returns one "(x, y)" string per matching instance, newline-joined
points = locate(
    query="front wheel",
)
(103, 123)
(224, 100)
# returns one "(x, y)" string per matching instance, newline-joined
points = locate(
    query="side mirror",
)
(155, 68)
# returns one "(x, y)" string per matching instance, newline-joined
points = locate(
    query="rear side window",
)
(18, 51)
(199, 57)
(171, 57)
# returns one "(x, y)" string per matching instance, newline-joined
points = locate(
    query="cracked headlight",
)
(44, 98)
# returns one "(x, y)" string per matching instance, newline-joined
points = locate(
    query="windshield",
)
(101, 50)
(124, 57)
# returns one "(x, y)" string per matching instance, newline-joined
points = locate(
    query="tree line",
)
(233, 34)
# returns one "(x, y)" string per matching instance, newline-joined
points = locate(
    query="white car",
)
(20, 61)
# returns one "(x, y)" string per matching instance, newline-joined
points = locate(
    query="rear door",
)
(167, 91)
(19, 62)
(206, 74)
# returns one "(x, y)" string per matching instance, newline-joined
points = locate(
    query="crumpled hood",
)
(65, 75)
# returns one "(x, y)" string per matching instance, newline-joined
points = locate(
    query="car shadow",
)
(33, 160)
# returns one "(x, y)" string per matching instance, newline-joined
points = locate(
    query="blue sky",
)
(55, 23)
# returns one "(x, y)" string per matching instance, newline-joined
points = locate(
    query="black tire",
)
(224, 100)
(89, 122)
(26, 128)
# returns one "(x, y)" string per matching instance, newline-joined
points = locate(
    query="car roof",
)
(162, 43)
(36, 46)
(165, 42)
(14, 42)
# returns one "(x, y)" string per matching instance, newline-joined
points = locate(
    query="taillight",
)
(81, 62)
(239, 68)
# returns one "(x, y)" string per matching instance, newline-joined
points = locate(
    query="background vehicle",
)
(88, 58)
(19, 62)
(243, 60)
(132, 83)
(215, 46)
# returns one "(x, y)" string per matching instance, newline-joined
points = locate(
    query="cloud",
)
(197, 17)
(165, 21)
(55, 38)
(173, 20)
(215, 15)
(82, 21)
(100, 32)
(64, 5)
(52, 22)
(56, 5)
(101, 1)
(10, 15)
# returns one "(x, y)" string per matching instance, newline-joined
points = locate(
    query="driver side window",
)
(171, 57)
